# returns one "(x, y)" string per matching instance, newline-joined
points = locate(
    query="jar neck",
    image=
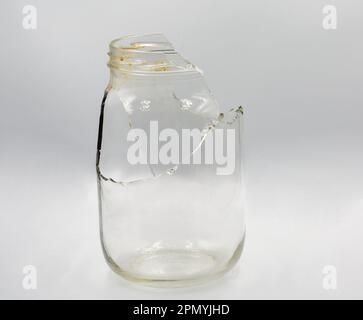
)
(146, 55)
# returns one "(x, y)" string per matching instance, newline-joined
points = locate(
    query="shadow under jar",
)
(169, 169)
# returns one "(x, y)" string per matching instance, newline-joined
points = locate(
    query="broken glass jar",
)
(169, 169)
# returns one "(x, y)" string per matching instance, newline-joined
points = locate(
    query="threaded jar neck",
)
(147, 54)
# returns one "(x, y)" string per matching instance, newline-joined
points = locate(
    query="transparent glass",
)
(169, 168)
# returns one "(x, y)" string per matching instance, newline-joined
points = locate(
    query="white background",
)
(301, 87)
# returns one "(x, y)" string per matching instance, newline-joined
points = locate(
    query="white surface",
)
(301, 86)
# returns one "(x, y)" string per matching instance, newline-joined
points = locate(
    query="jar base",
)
(174, 267)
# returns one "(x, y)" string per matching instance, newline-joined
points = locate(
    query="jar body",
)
(170, 182)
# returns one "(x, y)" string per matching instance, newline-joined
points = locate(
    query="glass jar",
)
(169, 169)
